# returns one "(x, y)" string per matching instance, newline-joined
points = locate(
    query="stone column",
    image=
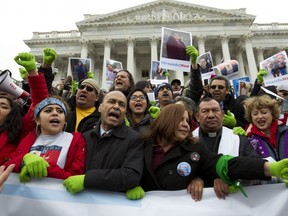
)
(241, 69)
(224, 39)
(84, 48)
(201, 44)
(107, 53)
(250, 56)
(154, 53)
(130, 55)
(260, 56)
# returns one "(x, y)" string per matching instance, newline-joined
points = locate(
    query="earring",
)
(38, 130)
(65, 127)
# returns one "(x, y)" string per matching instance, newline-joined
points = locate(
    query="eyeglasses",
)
(217, 86)
(135, 97)
(88, 88)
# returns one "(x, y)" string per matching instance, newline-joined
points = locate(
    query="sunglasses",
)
(217, 86)
(135, 98)
(88, 88)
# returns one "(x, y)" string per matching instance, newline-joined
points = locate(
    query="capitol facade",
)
(133, 35)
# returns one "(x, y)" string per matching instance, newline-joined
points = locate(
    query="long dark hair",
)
(129, 98)
(164, 126)
(13, 123)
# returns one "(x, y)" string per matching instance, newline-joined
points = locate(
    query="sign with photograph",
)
(173, 54)
(79, 68)
(157, 74)
(236, 85)
(112, 68)
(276, 69)
(228, 69)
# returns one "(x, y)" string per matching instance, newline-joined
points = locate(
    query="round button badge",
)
(195, 156)
(184, 169)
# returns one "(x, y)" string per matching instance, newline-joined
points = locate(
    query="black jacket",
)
(86, 123)
(166, 176)
(114, 162)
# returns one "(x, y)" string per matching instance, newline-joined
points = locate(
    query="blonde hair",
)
(260, 102)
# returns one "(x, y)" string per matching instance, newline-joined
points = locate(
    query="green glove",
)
(167, 74)
(36, 165)
(74, 86)
(49, 56)
(135, 193)
(127, 123)
(229, 120)
(279, 169)
(27, 60)
(24, 175)
(193, 52)
(23, 73)
(154, 111)
(261, 73)
(239, 131)
(90, 75)
(74, 184)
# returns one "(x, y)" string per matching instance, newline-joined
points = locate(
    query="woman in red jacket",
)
(49, 150)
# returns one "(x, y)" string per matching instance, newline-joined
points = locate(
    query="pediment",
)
(164, 11)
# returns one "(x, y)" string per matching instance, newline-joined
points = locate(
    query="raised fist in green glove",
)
(193, 52)
(229, 120)
(90, 75)
(36, 165)
(261, 73)
(24, 175)
(154, 112)
(23, 73)
(279, 169)
(239, 131)
(49, 56)
(27, 60)
(135, 193)
(74, 184)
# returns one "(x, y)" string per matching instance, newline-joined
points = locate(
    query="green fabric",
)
(127, 123)
(27, 60)
(193, 53)
(24, 175)
(23, 73)
(229, 120)
(280, 168)
(135, 193)
(154, 112)
(36, 165)
(261, 73)
(49, 56)
(239, 131)
(74, 184)
(222, 170)
(90, 75)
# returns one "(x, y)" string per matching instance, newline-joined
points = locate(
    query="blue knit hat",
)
(49, 101)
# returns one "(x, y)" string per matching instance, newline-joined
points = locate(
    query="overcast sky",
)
(19, 19)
